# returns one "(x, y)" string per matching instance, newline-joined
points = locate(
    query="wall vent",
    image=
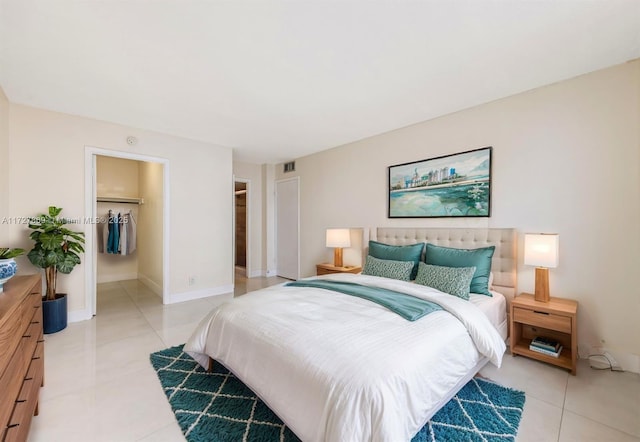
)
(290, 166)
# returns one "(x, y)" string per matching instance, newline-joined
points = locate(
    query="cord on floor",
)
(602, 355)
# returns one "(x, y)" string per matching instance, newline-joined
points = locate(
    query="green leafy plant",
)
(56, 249)
(7, 253)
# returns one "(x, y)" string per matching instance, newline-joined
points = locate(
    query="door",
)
(241, 224)
(288, 228)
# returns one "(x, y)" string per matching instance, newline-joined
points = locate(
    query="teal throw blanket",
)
(407, 306)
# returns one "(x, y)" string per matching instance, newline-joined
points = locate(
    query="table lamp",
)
(338, 238)
(541, 250)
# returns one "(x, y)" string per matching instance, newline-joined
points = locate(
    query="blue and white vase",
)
(8, 268)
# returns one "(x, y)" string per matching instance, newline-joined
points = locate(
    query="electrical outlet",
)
(192, 280)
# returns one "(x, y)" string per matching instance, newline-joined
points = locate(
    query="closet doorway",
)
(129, 240)
(241, 194)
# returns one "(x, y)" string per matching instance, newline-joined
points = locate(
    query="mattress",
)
(495, 309)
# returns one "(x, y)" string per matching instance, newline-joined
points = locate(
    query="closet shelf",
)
(109, 199)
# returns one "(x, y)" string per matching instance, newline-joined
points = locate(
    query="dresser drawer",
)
(26, 401)
(14, 374)
(33, 379)
(11, 433)
(28, 311)
(18, 429)
(10, 384)
(33, 332)
(24, 406)
(33, 300)
(542, 319)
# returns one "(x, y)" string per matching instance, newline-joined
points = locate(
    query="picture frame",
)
(449, 186)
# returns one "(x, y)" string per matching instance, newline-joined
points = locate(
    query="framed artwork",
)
(457, 185)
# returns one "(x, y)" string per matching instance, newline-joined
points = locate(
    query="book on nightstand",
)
(545, 343)
(553, 353)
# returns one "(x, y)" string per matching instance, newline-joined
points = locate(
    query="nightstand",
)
(325, 269)
(556, 319)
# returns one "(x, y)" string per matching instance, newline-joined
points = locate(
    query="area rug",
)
(218, 407)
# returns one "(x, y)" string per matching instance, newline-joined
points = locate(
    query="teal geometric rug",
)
(217, 407)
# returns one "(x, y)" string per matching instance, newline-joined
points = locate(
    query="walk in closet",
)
(129, 237)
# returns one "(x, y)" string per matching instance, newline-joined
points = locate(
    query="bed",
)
(338, 367)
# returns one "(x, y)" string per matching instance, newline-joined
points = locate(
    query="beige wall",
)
(150, 225)
(566, 159)
(116, 177)
(269, 216)
(4, 170)
(48, 167)
(253, 173)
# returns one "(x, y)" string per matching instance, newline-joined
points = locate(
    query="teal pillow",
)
(478, 258)
(452, 280)
(411, 253)
(387, 268)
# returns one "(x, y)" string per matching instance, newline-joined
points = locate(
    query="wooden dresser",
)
(21, 355)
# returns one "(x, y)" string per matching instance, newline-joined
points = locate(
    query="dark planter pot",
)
(54, 314)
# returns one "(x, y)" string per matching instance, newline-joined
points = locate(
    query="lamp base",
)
(542, 285)
(337, 257)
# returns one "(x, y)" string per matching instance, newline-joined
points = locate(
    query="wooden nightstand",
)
(556, 319)
(325, 269)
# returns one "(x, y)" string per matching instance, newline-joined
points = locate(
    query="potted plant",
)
(8, 264)
(56, 249)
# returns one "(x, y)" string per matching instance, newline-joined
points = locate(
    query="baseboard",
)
(198, 294)
(117, 277)
(155, 288)
(271, 273)
(628, 361)
(79, 315)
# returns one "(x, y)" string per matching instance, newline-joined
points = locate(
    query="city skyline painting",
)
(457, 185)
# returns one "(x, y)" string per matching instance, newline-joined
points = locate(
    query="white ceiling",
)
(277, 80)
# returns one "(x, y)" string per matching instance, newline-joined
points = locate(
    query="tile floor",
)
(99, 384)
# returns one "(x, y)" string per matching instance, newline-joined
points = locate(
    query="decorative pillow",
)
(452, 280)
(411, 253)
(478, 258)
(387, 268)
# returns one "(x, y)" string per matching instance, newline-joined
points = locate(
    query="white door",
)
(287, 228)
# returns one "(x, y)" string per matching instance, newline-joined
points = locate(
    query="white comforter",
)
(335, 367)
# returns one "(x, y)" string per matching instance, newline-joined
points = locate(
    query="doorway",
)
(135, 185)
(241, 227)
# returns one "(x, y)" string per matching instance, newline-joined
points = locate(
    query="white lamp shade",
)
(541, 249)
(338, 238)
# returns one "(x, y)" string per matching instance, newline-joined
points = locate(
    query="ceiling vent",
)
(290, 166)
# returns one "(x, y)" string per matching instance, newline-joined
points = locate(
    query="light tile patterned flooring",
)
(99, 384)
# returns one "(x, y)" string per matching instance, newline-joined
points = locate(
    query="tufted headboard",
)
(503, 264)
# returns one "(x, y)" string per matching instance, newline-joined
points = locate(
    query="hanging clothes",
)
(113, 242)
(128, 234)
(103, 233)
(123, 234)
(132, 232)
(117, 234)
